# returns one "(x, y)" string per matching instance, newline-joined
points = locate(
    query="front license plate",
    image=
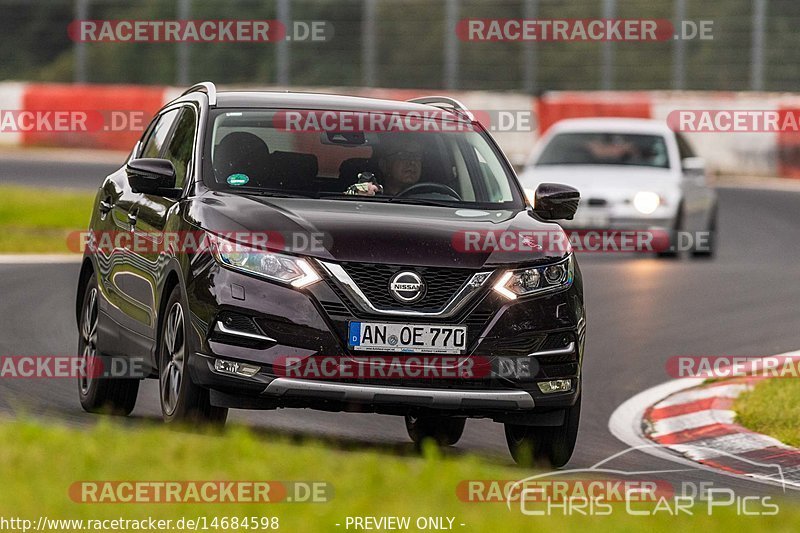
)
(410, 338)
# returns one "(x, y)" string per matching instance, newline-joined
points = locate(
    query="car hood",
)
(604, 181)
(370, 231)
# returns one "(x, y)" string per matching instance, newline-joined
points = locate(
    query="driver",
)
(400, 164)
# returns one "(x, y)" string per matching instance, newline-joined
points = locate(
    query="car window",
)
(492, 173)
(684, 148)
(256, 149)
(605, 148)
(179, 150)
(152, 147)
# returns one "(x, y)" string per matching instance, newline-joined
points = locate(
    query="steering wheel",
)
(429, 187)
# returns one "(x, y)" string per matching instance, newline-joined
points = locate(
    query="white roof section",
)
(611, 125)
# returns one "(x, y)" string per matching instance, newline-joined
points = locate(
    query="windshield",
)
(260, 151)
(605, 149)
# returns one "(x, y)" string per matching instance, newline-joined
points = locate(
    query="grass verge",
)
(772, 408)
(36, 220)
(40, 462)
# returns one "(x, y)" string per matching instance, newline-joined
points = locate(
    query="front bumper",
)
(313, 323)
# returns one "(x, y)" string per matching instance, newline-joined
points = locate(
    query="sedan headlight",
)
(532, 280)
(646, 202)
(282, 268)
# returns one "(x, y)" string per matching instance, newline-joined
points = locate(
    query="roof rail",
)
(207, 87)
(447, 103)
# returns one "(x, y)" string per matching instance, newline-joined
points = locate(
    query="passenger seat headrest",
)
(292, 171)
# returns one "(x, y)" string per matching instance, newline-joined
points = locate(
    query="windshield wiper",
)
(276, 194)
(388, 199)
(343, 196)
(424, 201)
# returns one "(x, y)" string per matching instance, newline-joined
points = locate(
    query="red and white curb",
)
(691, 421)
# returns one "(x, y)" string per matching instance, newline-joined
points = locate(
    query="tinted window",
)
(153, 145)
(684, 148)
(605, 149)
(180, 146)
(445, 160)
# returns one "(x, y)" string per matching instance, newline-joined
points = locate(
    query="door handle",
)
(132, 217)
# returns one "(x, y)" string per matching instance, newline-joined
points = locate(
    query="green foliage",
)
(40, 219)
(40, 463)
(773, 408)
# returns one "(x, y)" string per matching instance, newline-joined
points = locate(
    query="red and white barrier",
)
(752, 153)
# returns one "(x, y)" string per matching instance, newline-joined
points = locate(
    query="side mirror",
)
(553, 201)
(694, 166)
(152, 176)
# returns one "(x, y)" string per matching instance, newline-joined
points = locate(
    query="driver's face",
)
(404, 165)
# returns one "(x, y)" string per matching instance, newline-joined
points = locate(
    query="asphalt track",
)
(640, 312)
(81, 170)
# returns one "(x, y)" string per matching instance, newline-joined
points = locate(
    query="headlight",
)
(532, 280)
(294, 271)
(646, 202)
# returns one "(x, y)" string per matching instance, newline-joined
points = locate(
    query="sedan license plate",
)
(409, 338)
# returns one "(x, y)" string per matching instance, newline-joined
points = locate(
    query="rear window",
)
(605, 149)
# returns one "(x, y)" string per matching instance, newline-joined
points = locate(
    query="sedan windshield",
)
(605, 149)
(374, 156)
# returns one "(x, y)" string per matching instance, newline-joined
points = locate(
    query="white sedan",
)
(633, 174)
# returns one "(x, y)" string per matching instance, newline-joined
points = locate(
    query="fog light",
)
(236, 369)
(558, 385)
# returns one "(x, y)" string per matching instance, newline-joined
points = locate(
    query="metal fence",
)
(413, 43)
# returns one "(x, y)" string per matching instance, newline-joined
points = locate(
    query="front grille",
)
(335, 309)
(373, 280)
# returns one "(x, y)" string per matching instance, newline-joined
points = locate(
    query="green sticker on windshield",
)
(238, 179)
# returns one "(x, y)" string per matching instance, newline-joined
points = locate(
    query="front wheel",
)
(181, 399)
(445, 430)
(530, 445)
(99, 394)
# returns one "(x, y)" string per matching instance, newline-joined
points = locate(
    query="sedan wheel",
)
(172, 372)
(99, 394)
(181, 399)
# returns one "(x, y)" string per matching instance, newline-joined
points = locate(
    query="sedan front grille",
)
(373, 280)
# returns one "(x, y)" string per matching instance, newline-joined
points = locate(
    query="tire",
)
(445, 430)
(535, 445)
(672, 251)
(712, 245)
(98, 394)
(181, 400)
